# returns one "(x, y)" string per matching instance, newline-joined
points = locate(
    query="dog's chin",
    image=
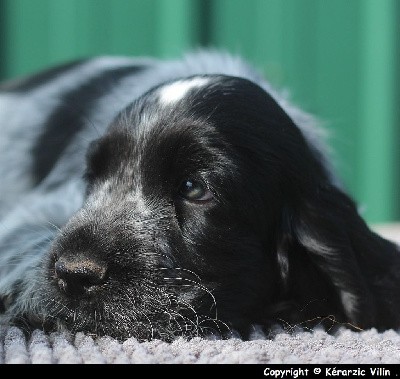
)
(144, 311)
(142, 324)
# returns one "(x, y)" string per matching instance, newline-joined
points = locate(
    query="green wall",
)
(339, 60)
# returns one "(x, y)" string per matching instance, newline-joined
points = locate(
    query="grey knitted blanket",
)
(299, 348)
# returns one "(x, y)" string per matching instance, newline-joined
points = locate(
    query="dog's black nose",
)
(78, 275)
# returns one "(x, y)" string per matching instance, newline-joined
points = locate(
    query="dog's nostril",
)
(77, 276)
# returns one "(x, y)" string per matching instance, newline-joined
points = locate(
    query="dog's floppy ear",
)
(324, 225)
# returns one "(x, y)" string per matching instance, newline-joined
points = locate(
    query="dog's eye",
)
(194, 190)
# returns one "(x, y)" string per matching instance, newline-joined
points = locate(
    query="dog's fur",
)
(206, 204)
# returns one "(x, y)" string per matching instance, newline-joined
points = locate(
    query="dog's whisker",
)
(205, 289)
(218, 324)
(181, 269)
(54, 226)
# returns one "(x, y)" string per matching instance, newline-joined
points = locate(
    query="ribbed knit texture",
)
(301, 347)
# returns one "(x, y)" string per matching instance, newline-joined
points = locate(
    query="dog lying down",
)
(157, 199)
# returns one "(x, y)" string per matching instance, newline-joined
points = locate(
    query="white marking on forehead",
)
(171, 93)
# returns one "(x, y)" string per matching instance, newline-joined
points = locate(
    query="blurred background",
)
(338, 59)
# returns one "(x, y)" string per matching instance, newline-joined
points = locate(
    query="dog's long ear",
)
(326, 225)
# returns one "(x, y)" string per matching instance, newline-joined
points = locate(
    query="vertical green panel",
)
(2, 39)
(232, 26)
(299, 53)
(63, 30)
(133, 27)
(396, 100)
(44, 32)
(376, 150)
(94, 27)
(26, 45)
(268, 36)
(178, 25)
(278, 37)
(337, 80)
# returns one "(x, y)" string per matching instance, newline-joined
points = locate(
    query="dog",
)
(177, 198)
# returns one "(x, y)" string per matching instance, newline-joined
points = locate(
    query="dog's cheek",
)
(230, 257)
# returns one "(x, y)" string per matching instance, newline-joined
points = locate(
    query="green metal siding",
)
(379, 130)
(338, 59)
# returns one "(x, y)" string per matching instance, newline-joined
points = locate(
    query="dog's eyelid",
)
(195, 190)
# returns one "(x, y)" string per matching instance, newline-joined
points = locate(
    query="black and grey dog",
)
(158, 199)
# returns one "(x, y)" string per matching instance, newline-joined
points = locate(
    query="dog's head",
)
(207, 210)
